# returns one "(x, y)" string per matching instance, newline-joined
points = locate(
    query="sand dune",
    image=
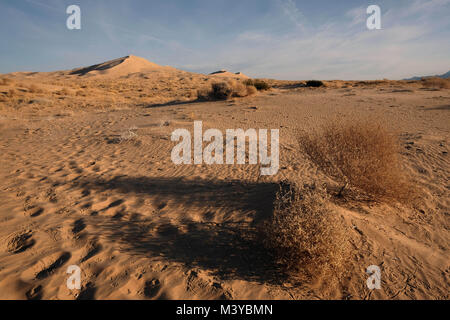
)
(119, 67)
(87, 180)
(227, 74)
(126, 67)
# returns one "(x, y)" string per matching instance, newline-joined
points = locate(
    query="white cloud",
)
(293, 13)
(254, 36)
(344, 48)
(356, 16)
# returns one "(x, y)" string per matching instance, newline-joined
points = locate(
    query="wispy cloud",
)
(344, 48)
(294, 14)
(42, 4)
(274, 40)
(356, 15)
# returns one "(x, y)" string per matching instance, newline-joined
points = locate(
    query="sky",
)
(281, 39)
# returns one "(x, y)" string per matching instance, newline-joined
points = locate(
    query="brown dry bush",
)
(259, 84)
(6, 81)
(363, 156)
(315, 83)
(251, 90)
(35, 89)
(436, 83)
(305, 235)
(12, 93)
(226, 90)
(63, 92)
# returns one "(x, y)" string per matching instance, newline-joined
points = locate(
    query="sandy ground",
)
(87, 179)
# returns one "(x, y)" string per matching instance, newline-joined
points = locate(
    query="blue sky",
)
(283, 39)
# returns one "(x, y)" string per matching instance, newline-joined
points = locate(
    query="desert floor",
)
(86, 179)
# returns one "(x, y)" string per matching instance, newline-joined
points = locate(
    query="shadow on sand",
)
(229, 249)
(290, 86)
(444, 107)
(172, 103)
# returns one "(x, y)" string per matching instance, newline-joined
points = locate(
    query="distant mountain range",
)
(443, 76)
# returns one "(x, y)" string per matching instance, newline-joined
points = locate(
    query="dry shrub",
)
(314, 83)
(63, 92)
(251, 90)
(12, 93)
(361, 155)
(130, 135)
(305, 235)
(226, 90)
(259, 84)
(6, 81)
(436, 83)
(35, 89)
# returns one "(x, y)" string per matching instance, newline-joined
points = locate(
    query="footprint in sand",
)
(54, 266)
(90, 250)
(161, 205)
(152, 288)
(33, 211)
(78, 226)
(19, 241)
(50, 195)
(45, 267)
(106, 205)
(88, 292)
(115, 204)
(30, 209)
(73, 164)
(34, 293)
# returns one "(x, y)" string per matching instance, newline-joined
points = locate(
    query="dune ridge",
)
(119, 67)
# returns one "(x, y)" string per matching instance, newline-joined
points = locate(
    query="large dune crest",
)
(119, 67)
(228, 74)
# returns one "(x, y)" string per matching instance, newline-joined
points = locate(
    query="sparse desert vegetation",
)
(129, 135)
(362, 155)
(314, 83)
(225, 90)
(5, 81)
(438, 83)
(12, 93)
(259, 84)
(33, 88)
(304, 233)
